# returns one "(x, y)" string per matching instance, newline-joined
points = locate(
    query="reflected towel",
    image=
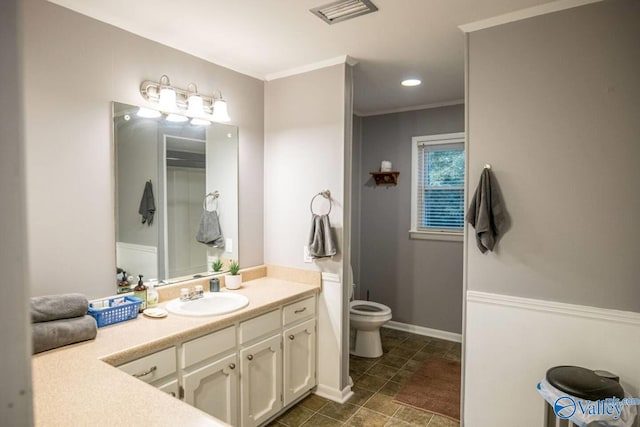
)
(320, 238)
(58, 333)
(147, 204)
(209, 231)
(486, 212)
(56, 307)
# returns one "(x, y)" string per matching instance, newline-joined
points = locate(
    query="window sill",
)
(436, 235)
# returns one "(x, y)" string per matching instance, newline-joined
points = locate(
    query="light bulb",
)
(200, 122)
(220, 113)
(411, 82)
(177, 118)
(148, 113)
(195, 106)
(167, 99)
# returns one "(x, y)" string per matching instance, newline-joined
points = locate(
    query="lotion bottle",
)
(140, 291)
(152, 294)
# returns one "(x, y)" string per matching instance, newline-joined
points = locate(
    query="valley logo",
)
(565, 407)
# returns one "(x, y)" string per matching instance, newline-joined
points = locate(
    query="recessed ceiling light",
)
(411, 82)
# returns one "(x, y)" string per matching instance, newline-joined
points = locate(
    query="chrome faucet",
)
(190, 294)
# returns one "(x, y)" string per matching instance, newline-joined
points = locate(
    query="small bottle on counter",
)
(124, 286)
(140, 291)
(152, 294)
(214, 285)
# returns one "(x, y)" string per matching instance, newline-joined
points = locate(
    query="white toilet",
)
(366, 317)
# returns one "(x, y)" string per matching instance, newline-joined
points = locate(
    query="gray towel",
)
(56, 307)
(147, 204)
(58, 333)
(209, 231)
(320, 238)
(486, 212)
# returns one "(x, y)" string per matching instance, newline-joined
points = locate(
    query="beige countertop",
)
(73, 386)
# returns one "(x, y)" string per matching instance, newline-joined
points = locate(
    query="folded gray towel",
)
(320, 237)
(58, 333)
(147, 204)
(486, 212)
(56, 307)
(209, 231)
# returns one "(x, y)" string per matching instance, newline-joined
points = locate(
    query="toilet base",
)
(367, 344)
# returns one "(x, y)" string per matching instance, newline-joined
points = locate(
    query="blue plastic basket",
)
(119, 309)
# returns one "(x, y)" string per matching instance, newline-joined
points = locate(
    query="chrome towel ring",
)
(215, 195)
(327, 195)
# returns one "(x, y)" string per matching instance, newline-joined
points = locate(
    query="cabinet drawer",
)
(153, 367)
(299, 310)
(259, 326)
(202, 348)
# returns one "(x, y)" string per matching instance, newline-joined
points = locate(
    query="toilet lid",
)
(368, 308)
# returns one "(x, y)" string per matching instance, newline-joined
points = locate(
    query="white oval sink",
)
(213, 303)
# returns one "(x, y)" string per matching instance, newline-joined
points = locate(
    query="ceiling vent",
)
(342, 10)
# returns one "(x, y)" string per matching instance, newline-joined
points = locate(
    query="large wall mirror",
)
(176, 195)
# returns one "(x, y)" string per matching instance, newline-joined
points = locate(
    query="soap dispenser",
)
(124, 286)
(152, 294)
(140, 291)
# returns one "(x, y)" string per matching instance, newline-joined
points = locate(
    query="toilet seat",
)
(369, 308)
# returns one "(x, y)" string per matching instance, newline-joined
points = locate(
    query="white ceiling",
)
(263, 38)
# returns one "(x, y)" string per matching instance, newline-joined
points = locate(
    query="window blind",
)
(440, 187)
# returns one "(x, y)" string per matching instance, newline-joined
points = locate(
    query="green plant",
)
(234, 267)
(217, 266)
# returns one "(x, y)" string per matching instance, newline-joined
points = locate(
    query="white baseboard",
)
(334, 394)
(421, 330)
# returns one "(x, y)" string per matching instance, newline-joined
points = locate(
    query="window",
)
(437, 195)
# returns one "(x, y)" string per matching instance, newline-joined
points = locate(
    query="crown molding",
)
(519, 15)
(342, 59)
(411, 108)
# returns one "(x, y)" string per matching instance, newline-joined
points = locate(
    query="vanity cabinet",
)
(157, 369)
(244, 374)
(261, 381)
(299, 360)
(210, 374)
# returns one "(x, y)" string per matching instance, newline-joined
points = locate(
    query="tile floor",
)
(376, 381)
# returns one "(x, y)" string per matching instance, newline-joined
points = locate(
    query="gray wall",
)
(74, 67)
(420, 280)
(136, 163)
(15, 326)
(554, 106)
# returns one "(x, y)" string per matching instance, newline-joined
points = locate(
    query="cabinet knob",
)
(173, 394)
(292, 337)
(300, 310)
(232, 366)
(250, 357)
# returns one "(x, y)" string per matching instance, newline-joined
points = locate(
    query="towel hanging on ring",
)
(321, 242)
(209, 230)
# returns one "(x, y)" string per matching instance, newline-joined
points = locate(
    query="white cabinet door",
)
(170, 387)
(214, 389)
(299, 360)
(261, 381)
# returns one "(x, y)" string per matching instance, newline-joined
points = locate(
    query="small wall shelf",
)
(385, 178)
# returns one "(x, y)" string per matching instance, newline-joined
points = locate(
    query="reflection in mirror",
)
(176, 195)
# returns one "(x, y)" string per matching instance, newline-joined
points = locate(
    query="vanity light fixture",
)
(202, 109)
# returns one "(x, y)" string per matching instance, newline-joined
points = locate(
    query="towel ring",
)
(215, 195)
(327, 195)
